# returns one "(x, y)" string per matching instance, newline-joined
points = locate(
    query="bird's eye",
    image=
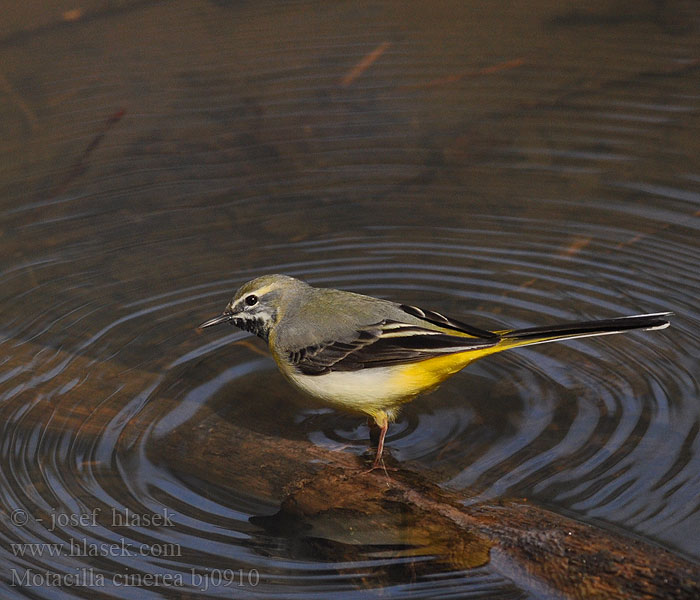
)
(251, 300)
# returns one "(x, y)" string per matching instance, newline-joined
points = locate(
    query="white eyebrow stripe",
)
(257, 292)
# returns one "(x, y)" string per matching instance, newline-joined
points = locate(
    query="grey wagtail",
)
(369, 356)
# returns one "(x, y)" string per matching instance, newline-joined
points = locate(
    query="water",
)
(507, 166)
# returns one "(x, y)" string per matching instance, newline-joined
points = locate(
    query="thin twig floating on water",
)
(29, 115)
(578, 244)
(504, 66)
(80, 166)
(367, 61)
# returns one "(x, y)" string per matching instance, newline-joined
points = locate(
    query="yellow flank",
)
(424, 375)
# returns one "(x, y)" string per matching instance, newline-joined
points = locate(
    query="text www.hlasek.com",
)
(84, 548)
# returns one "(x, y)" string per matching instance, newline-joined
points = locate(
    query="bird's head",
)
(259, 304)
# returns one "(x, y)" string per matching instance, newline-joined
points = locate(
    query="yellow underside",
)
(380, 391)
(423, 376)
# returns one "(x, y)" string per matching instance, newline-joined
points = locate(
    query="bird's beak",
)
(216, 320)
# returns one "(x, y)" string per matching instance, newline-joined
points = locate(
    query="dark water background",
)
(510, 165)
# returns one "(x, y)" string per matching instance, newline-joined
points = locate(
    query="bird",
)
(369, 356)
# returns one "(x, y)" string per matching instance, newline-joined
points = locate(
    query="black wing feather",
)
(442, 321)
(371, 349)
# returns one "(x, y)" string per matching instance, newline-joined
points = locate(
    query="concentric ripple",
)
(599, 427)
(455, 158)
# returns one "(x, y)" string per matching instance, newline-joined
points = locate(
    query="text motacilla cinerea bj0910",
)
(369, 356)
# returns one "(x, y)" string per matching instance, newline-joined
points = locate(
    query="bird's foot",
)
(379, 464)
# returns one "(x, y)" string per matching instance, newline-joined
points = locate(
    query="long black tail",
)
(566, 331)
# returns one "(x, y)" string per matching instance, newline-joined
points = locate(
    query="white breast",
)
(366, 390)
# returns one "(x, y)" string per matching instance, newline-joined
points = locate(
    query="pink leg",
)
(380, 446)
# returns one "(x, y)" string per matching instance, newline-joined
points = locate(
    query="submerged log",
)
(330, 498)
(329, 495)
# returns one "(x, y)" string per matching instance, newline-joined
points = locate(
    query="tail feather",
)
(566, 331)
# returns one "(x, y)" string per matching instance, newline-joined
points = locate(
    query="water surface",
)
(509, 166)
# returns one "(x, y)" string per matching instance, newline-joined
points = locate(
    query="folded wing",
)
(384, 344)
